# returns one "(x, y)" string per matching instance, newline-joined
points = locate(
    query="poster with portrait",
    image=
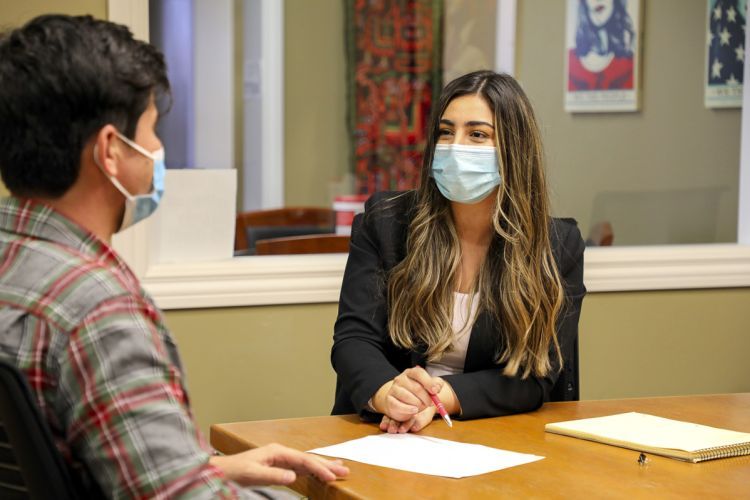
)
(725, 61)
(602, 55)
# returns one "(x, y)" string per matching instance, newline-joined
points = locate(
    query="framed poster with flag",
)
(725, 61)
(602, 55)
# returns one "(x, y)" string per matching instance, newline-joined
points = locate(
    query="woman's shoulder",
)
(565, 238)
(564, 231)
(390, 208)
(385, 222)
(391, 202)
(564, 223)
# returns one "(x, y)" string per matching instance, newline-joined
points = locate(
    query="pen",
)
(441, 409)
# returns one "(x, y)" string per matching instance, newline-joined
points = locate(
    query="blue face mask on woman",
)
(139, 207)
(465, 174)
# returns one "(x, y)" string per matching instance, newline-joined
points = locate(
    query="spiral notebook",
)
(657, 435)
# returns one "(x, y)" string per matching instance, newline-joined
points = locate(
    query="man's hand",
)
(275, 464)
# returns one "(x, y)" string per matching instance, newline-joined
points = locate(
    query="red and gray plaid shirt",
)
(96, 352)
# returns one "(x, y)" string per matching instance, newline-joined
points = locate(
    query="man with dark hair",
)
(80, 155)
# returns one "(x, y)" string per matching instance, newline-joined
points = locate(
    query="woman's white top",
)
(463, 319)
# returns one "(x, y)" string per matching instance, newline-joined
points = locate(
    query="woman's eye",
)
(445, 131)
(478, 135)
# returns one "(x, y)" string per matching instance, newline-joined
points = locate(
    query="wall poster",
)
(602, 55)
(725, 61)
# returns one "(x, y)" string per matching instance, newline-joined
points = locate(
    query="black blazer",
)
(365, 358)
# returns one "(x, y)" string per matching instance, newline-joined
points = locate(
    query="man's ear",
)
(107, 149)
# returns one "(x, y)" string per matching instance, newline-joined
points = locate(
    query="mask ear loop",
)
(128, 214)
(145, 152)
(154, 156)
(112, 178)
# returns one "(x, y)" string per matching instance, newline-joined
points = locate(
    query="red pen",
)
(441, 409)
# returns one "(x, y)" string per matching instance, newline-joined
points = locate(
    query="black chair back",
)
(566, 388)
(30, 464)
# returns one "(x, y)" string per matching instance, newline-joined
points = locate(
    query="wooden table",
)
(572, 467)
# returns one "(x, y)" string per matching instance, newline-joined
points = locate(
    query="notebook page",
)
(657, 432)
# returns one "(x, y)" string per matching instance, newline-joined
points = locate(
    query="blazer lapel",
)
(418, 356)
(481, 350)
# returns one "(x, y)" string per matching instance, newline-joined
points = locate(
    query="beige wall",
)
(257, 363)
(15, 13)
(272, 362)
(672, 144)
(316, 145)
(665, 343)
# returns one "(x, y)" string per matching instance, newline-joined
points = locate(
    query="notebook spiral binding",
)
(732, 450)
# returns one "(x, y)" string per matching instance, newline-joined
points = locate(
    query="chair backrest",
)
(567, 388)
(315, 243)
(601, 235)
(30, 464)
(281, 222)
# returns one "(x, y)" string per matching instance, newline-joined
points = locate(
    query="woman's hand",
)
(408, 394)
(414, 424)
(274, 464)
(408, 421)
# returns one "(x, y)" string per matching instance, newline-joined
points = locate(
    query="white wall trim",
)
(272, 84)
(247, 281)
(743, 216)
(667, 267)
(505, 37)
(213, 84)
(298, 279)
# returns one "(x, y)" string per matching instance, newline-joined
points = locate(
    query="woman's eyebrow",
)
(474, 123)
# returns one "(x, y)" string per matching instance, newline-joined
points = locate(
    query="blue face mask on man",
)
(139, 207)
(465, 174)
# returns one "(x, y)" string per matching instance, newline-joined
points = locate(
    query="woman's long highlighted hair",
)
(518, 284)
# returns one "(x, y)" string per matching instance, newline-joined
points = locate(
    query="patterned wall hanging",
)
(394, 73)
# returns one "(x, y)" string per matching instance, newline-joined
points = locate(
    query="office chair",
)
(314, 243)
(30, 464)
(566, 388)
(279, 223)
(601, 235)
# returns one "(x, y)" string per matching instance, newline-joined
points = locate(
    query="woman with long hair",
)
(466, 288)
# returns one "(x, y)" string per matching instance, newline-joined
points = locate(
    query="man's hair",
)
(62, 79)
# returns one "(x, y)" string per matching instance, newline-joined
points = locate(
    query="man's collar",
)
(31, 218)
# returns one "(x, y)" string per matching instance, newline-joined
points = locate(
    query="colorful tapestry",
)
(394, 74)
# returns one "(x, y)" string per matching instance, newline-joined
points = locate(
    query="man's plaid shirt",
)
(96, 352)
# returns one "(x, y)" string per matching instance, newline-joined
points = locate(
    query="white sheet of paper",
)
(426, 455)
